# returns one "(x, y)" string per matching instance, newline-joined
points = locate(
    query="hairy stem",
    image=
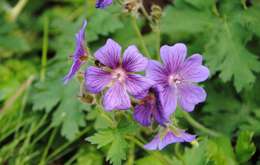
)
(16, 10)
(44, 48)
(139, 35)
(199, 126)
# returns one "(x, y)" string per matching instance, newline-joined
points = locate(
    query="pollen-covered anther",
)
(174, 80)
(119, 74)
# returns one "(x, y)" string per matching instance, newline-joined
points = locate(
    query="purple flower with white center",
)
(118, 75)
(150, 108)
(80, 54)
(103, 3)
(178, 77)
(169, 137)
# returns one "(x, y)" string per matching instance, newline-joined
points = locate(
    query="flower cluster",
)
(154, 95)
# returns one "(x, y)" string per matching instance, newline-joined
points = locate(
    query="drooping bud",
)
(132, 6)
(156, 13)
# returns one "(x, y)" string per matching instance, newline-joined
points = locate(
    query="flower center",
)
(174, 79)
(119, 74)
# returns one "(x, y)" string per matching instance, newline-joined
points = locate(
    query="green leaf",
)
(173, 25)
(245, 148)
(250, 20)
(197, 155)
(117, 144)
(117, 151)
(47, 98)
(149, 160)
(201, 4)
(62, 99)
(103, 22)
(220, 151)
(89, 156)
(102, 138)
(69, 112)
(226, 52)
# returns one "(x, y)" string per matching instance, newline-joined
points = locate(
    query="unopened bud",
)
(195, 143)
(132, 6)
(156, 13)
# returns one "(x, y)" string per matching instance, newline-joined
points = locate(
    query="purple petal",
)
(153, 145)
(158, 112)
(169, 99)
(156, 72)
(187, 137)
(142, 114)
(173, 56)
(158, 143)
(133, 60)
(73, 70)
(189, 95)
(137, 84)
(169, 138)
(79, 54)
(96, 79)
(193, 71)
(103, 3)
(116, 98)
(109, 54)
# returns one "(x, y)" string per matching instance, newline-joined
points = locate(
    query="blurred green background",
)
(44, 122)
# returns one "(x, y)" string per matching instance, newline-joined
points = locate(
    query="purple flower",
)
(162, 140)
(178, 77)
(80, 54)
(118, 75)
(103, 3)
(150, 108)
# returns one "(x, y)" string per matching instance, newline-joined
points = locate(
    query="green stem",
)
(139, 35)
(50, 141)
(131, 155)
(199, 126)
(44, 47)
(46, 130)
(72, 159)
(64, 146)
(15, 11)
(108, 118)
(158, 40)
(146, 15)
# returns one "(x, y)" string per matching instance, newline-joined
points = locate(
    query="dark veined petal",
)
(173, 56)
(79, 54)
(158, 143)
(116, 98)
(103, 3)
(133, 60)
(189, 95)
(109, 54)
(73, 70)
(80, 42)
(158, 111)
(169, 138)
(142, 114)
(156, 72)
(153, 145)
(193, 70)
(169, 99)
(137, 84)
(96, 79)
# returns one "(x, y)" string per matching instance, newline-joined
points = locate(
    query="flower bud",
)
(156, 13)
